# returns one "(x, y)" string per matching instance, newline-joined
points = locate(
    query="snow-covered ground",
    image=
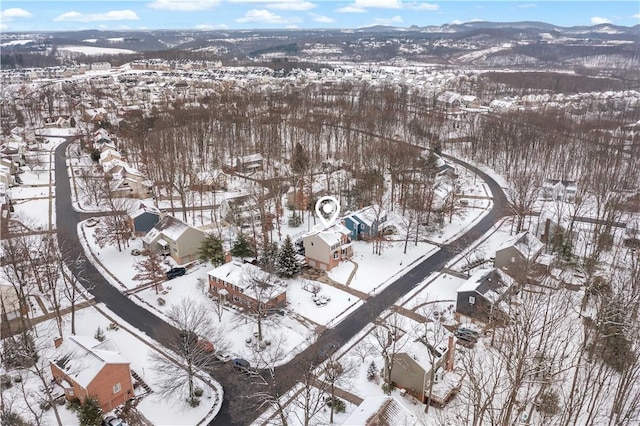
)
(136, 348)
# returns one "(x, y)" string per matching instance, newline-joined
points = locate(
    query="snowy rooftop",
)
(168, 226)
(491, 283)
(242, 275)
(368, 215)
(381, 410)
(82, 357)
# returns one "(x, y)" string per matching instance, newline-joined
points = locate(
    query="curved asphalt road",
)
(67, 220)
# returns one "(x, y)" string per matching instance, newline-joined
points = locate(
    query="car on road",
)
(177, 271)
(91, 222)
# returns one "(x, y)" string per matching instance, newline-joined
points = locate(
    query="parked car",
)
(136, 252)
(222, 356)
(466, 340)
(113, 421)
(462, 331)
(91, 222)
(178, 271)
(241, 364)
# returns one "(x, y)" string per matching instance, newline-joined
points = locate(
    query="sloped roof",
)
(381, 411)
(83, 357)
(525, 243)
(490, 283)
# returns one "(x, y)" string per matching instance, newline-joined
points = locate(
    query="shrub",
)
(193, 402)
(90, 413)
(161, 301)
(387, 388)
(45, 405)
(338, 405)
(17, 379)
(198, 392)
(73, 404)
(11, 418)
(5, 382)
(294, 221)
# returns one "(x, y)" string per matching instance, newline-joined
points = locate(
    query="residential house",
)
(381, 411)
(448, 101)
(481, 295)
(10, 306)
(241, 211)
(423, 356)
(365, 223)
(144, 218)
(108, 158)
(59, 122)
(518, 255)
(559, 190)
(249, 163)
(324, 250)
(175, 238)
(86, 367)
(236, 282)
(94, 115)
(305, 194)
(128, 182)
(6, 175)
(211, 180)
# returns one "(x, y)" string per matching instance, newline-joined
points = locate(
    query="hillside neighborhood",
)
(164, 258)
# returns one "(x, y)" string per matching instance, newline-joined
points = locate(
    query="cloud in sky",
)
(263, 16)
(361, 6)
(114, 15)
(388, 21)
(526, 5)
(322, 19)
(14, 12)
(595, 20)
(280, 4)
(350, 9)
(637, 16)
(183, 5)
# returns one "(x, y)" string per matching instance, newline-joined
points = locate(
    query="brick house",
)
(245, 285)
(324, 250)
(86, 367)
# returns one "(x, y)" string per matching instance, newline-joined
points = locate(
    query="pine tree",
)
(371, 371)
(269, 257)
(90, 413)
(211, 250)
(241, 247)
(288, 266)
(99, 336)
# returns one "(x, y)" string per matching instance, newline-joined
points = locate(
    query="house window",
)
(513, 260)
(235, 298)
(70, 392)
(335, 255)
(472, 300)
(117, 388)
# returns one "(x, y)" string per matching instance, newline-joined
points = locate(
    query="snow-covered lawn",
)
(35, 211)
(133, 346)
(376, 271)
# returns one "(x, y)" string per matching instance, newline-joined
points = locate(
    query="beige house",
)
(324, 250)
(517, 256)
(381, 411)
(424, 355)
(86, 367)
(175, 238)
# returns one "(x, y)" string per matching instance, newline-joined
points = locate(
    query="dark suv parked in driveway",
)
(178, 271)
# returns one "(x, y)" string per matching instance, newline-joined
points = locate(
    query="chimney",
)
(57, 341)
(227, 257)
(450, 353)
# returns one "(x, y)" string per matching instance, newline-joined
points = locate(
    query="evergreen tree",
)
(90, 413)
(211, 250)
(371, 371)
(241, 247)
(99, 336)
(288, 266)
(269, 257)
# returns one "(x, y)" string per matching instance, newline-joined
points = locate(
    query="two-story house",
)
(365, 223)
(324, 250)
(246, 285)
(86, 367)
(517, 256)
(559, 190)
(175, 238)
(481, 295)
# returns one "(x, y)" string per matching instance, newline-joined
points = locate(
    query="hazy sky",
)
(54, 15)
